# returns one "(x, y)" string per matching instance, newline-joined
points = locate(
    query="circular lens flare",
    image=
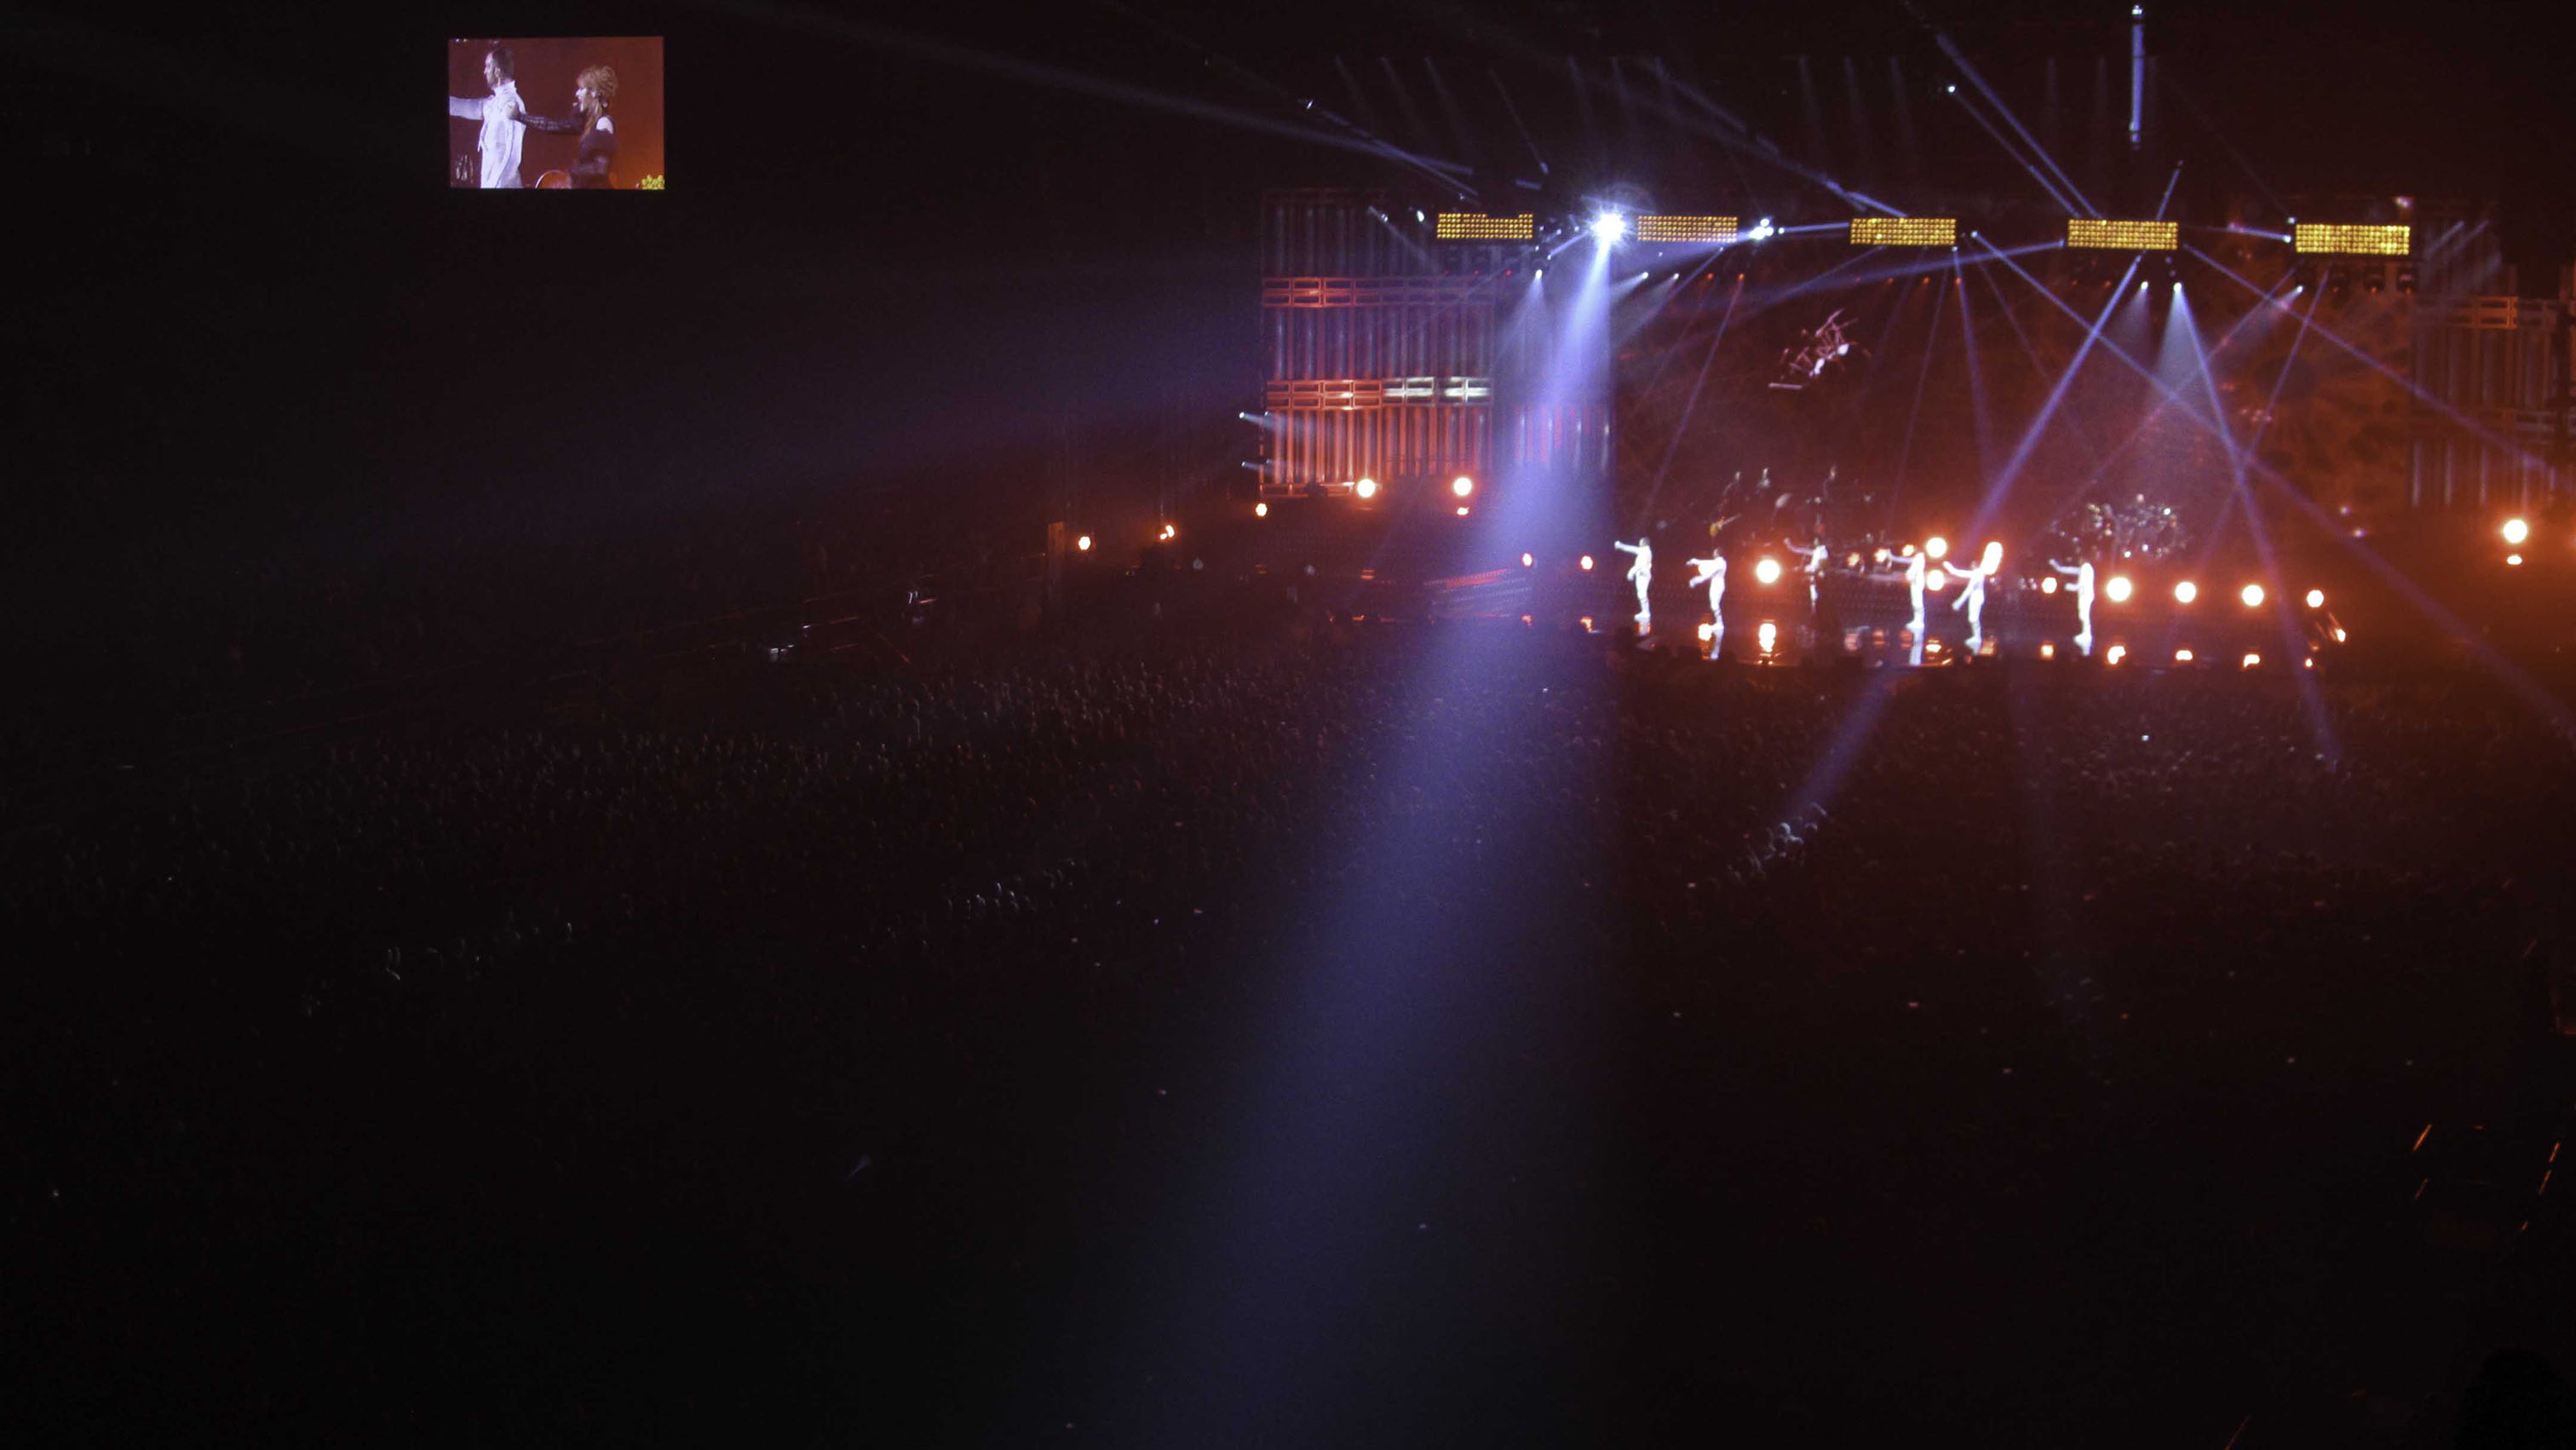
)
(2316, 599)
(1936, 547)
(2117, 591)
(1462, 485)
(1767, 572)
(2252, 594)
(2516, 530)
(2186, 592)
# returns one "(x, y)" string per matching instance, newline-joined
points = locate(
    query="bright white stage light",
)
(2048, 585)
(1527, 560)
(2316, 599)
(1767, 572)
(2118, 652)
(1609, 227)
(2515, 531)
(2182, 657)
(1707, 632)
(2047, 650)
(1768, 636)
(1365, 488)
(1587, 624)
(1936, 547)
(1261, 511)
(2252, 594)
(1462, 510)
(2251, 661)
(1587, 568)
(2117, 591)
(2340, 636)
(1083, 543)
(1166, 534)
(2513, 558)
(1462, 485)
(2186, 592)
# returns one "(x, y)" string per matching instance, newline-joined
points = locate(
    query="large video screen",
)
(551, 113)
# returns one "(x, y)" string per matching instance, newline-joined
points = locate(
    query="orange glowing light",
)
(2252, 594)
(1083, 543)
(1767, 572)
(1365, 488)
(1261, 511)
(2251, 661)
(1936, 547)
(1462, 485)
(2186, 592)
(2118, 652)
(2182, 657)
(1587, 564)
(2117, 591)
(2516, 530)
(2316, 599)
(2048, 585)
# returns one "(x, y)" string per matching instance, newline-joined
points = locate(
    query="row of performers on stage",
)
(1912, 565)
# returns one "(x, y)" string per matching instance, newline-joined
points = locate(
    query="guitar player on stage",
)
(593, 92)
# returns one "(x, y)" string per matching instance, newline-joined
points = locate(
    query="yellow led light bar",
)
(2373, 241)
(2123, 236)
(1469, 226)
(1905, 231)
(1686, 229)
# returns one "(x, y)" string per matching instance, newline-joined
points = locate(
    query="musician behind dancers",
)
(594, 91)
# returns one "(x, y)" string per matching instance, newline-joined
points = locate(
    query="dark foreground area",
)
(1366, 1036)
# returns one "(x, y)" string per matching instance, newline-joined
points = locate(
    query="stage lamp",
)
(2182, 657)
(2513, 558)
(2316, 599)
(1083, 543)
(1261, 511)
(2047, 649)
(1166, 534)
(2252, 594)
(1707, 632)
(2186, 592)
(1767, 636)
(2117, 591)
(1462, 485)
(1527, 560)
(1609, 227)
(1763, 231)
(1767, 572)
(1936, 547)
(1365, 488)
(1587, 568)
(2515, 531)
(2118, 652)
(2048, 585)
(2251, 661)
(1462, 510)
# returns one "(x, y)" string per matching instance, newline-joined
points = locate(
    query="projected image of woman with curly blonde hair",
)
(594, 91)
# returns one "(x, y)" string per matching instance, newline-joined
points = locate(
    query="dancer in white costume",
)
(1814, 568)
(1914, 590)
(1641, 573)
(1972, 594)
(2083, 575)
(1712, 572)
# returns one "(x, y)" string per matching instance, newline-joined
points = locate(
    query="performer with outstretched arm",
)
(1712, 572)
(1972, 593)
(1641, 574)
(593, 92)
(2082, 573)
(1814, 568)
(500, 137)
